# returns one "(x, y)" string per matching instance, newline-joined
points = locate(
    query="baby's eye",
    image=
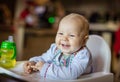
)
(72, 35)
(60, 33)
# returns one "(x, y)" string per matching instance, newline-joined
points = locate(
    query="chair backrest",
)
(101, 53)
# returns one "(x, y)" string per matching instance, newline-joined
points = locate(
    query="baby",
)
(68, 57)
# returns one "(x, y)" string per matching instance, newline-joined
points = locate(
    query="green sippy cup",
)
(8, 53)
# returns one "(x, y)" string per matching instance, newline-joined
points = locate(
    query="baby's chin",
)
(67, 52)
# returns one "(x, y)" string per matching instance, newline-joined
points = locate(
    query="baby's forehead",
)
(70, 26)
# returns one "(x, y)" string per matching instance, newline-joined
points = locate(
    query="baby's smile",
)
(65, 46)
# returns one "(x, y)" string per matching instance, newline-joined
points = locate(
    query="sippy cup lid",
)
(10, 38)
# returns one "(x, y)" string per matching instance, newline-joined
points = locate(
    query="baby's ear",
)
(86, 37)
(85, 40)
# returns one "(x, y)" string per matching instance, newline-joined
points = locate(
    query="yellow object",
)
(6, 58)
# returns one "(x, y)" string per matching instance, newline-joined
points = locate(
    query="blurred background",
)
(34, 23)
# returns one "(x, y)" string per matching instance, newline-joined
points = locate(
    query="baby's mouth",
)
(65, 46)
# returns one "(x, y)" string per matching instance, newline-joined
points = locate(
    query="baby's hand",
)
(38, 66)
(28, 67)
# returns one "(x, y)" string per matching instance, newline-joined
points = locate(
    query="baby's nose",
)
(65, 38)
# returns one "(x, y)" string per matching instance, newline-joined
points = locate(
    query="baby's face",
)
(68, 38)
